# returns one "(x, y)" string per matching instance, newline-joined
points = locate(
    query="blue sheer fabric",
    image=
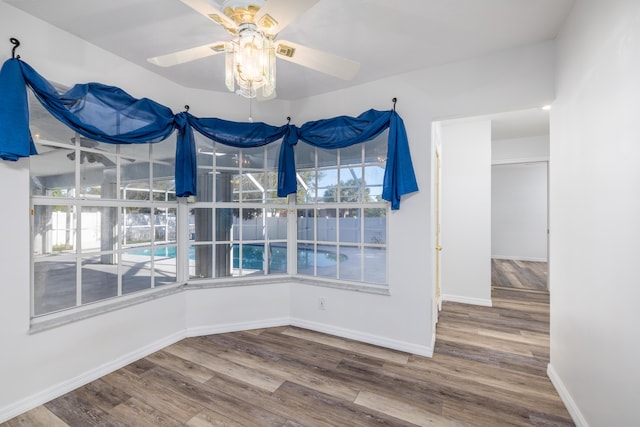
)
(343, 131)
(108, 114)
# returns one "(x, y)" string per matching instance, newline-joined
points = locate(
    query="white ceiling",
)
(386, 37)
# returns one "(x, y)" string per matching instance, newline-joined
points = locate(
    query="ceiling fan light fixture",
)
(250, 62)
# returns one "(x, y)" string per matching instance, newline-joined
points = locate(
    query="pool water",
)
(253, 256)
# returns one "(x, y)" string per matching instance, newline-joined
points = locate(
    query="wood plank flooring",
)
(488, 369)
(519, 274)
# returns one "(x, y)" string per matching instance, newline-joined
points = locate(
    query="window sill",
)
(55, 320)
(285, 278)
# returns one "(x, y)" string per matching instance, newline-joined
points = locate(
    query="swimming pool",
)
(253, 256)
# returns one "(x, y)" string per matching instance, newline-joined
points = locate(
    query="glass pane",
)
(227, 224)
(349, 223)
(271, 186)
(98, 228)
(326, 224)
(273, 155)
(200, 261)
(351, 184)
(164, 261)
(351, 155)
(327, 261)
(165, 225)
(136, 224)
(375, 225)
(276, 224)
(99, 278)
(227, 186)
(306, 186)
(305, 156)
(97, 175)
(93, 145)
(252, 258)
(205, 180)
(53, 171)
(253, 158)
(165, 151)
(327, 158)
(134, 178)
(225, 257)
(54, 283)
(253, 224)
(306, 225)
(253, 187)
(375, 265)
(135, 152)
(136, 270)
(277, 257)
(54, 229)
(350, 266)
(375, 151)
(205, 157)
(373, 179)
(327, 190)
(200, 225)
(227, 157)
(164, 188)
(306, 259)
(45, 127)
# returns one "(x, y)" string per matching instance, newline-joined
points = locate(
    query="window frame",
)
(182, 243)
(79, 201)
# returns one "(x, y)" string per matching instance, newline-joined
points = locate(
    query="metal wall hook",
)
(394, 100)
(16, 43)
(288, 120)
(186, 108)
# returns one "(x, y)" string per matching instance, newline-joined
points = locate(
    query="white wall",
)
(37, 367)
(595, 211)
(517, 150)
(505, 81)
(519, 211)
(466, 211)
(59, 359)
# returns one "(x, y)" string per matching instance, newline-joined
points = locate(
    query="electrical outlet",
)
(321, 304)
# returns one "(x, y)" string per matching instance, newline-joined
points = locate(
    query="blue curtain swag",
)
(109, 114)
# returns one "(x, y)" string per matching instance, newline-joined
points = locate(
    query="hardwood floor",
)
(488, 369)
(519, 274)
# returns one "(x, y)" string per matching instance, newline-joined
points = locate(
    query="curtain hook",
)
(186, 108)
(288, 120)
(394, 100)
(16, 43)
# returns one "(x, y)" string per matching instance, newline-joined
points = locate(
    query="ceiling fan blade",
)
(324, 62)
(275, 15)
(188, 55)
(205, 8)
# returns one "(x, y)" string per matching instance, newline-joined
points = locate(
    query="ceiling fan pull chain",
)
(16, 43)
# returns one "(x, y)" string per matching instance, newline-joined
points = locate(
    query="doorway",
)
(519, 226)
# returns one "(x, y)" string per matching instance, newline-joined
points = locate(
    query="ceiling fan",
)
(250, 55)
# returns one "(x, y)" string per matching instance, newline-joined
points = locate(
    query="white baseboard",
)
(568, 401)
(467, 300)
(236, 327)
(421, 350)
(64, 387)
(519, 258)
